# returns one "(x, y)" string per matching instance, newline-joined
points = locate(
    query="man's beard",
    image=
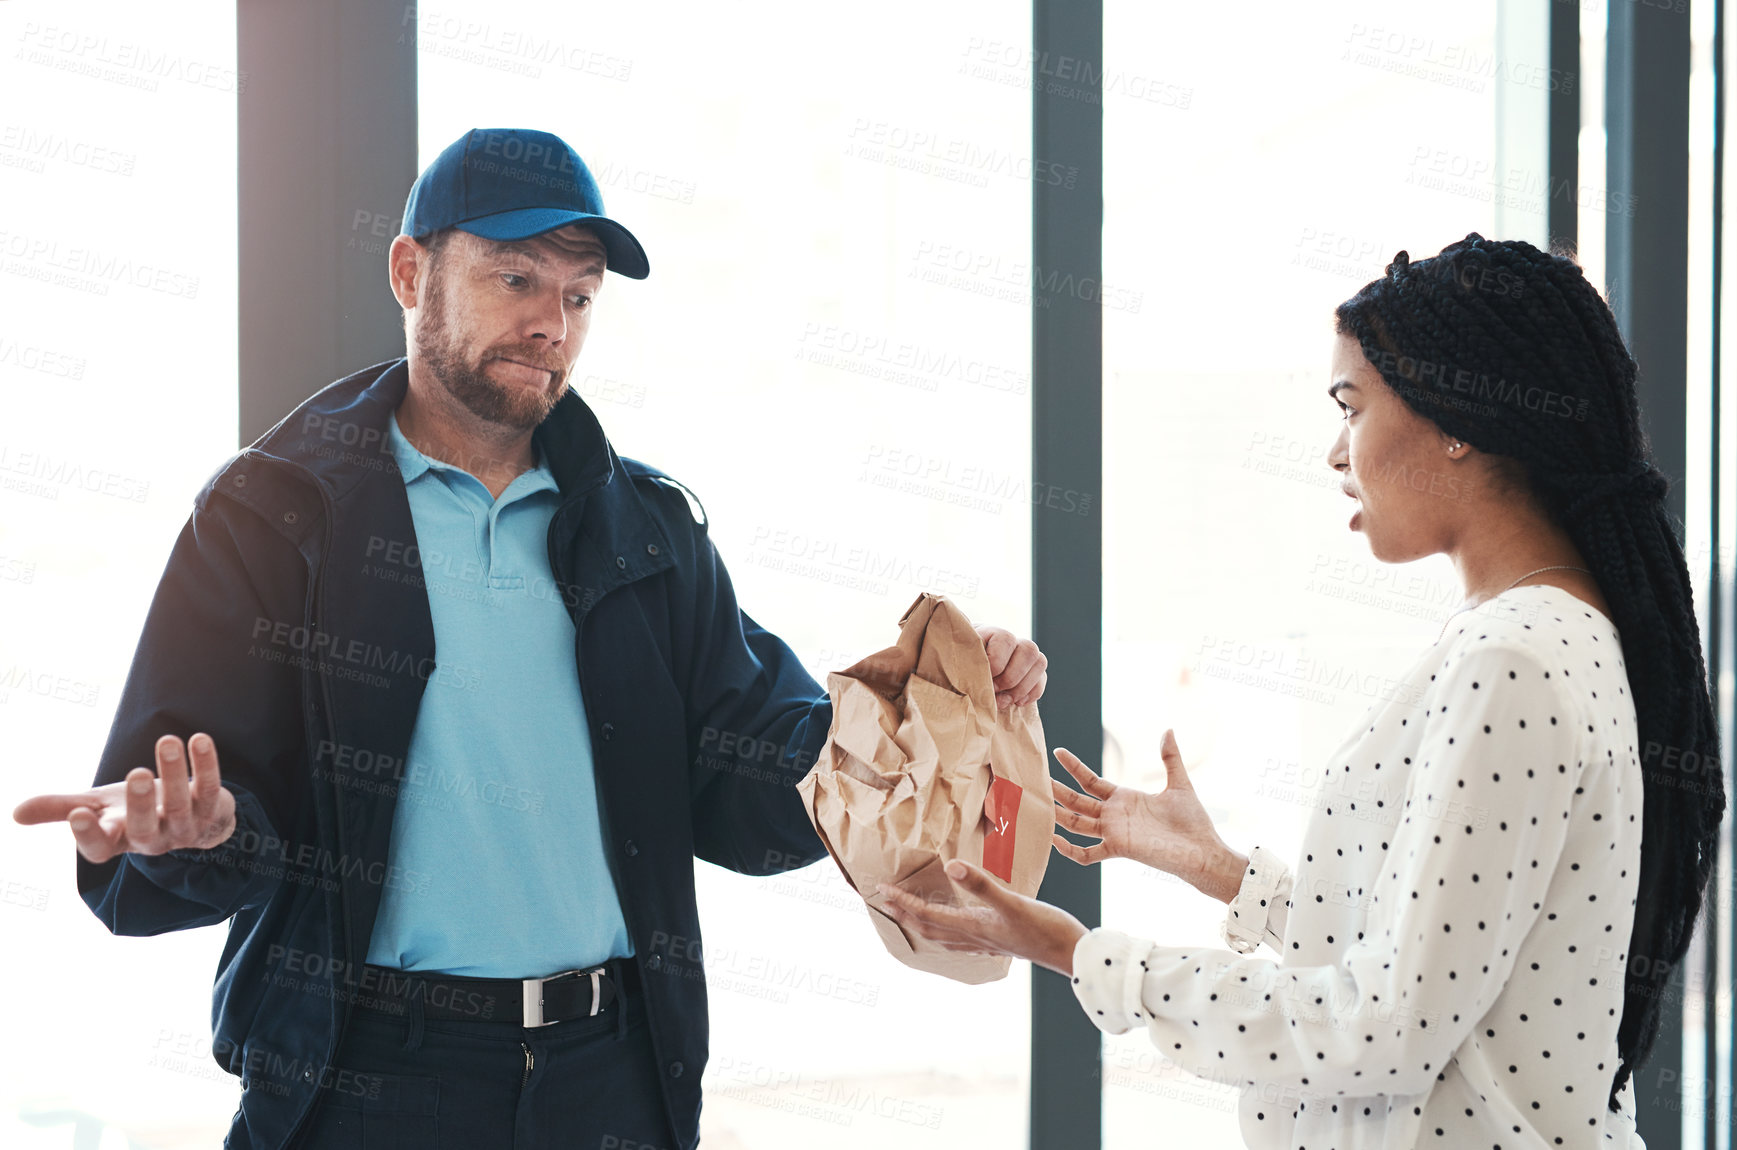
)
(516, 407)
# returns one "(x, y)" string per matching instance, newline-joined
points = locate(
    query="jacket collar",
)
(339, 435)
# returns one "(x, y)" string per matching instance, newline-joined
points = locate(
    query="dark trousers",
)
(407, 1082)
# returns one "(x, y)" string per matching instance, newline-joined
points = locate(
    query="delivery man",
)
(444, 698)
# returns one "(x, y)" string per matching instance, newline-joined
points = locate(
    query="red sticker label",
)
(1001, 808)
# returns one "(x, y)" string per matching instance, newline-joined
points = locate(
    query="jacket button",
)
(620, 561)
(608, 731)
(630, 848)
(653, 963)
(651, 548)
(675, 1070)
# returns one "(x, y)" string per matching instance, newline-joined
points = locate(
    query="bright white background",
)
(834, 351)
(1239, 609)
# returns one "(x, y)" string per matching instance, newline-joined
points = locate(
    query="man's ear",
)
(404, 260)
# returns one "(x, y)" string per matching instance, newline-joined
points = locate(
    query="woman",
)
(1497, 879)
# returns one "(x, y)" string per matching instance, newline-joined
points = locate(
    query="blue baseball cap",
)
(512, 184)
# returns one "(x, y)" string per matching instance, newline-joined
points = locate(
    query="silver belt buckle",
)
(532, 989)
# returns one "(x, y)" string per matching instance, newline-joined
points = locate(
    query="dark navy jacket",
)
(292, 626)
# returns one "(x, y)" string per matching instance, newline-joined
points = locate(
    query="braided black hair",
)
(1511, 350)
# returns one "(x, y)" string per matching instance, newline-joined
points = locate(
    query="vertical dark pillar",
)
(1562, 211)
(1647, 249)
(1067, 556)
(327, 125)
(1719, 1114)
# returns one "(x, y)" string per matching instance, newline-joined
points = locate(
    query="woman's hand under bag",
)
(999, 920)
(1169, 831)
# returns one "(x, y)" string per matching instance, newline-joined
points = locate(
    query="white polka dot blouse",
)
(1453, 939)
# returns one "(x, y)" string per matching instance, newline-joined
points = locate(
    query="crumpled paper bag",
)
(920, 767)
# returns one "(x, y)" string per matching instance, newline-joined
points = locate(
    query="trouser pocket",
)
(363, 1110)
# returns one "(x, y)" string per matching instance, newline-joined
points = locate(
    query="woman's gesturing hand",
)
(1169, 831)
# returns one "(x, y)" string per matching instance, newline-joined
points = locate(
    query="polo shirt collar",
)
(413, 463)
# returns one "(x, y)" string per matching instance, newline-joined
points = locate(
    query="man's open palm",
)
(146, 814)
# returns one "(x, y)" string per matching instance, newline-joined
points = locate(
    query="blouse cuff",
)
(1109, 971)
(1246, 925)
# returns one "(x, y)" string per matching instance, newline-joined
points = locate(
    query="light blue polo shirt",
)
(496, 835)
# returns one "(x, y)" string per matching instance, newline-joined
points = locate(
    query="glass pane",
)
(1701, 1094)
(117, 401)
(1707, 1055)
(833, 351)
(1238, 607)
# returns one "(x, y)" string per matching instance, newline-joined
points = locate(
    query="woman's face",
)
(1411, 494)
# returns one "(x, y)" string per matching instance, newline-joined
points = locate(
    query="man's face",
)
(500, 324)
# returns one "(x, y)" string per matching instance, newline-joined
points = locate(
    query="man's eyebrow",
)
(593, 266)
(1341, 386)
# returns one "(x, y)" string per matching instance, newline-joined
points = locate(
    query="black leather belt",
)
(530, 1002)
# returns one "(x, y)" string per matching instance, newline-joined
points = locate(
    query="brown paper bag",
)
(921, 767)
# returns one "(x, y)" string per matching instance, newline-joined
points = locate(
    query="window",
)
(117, 402)
(1238, 608)
(833, 351)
